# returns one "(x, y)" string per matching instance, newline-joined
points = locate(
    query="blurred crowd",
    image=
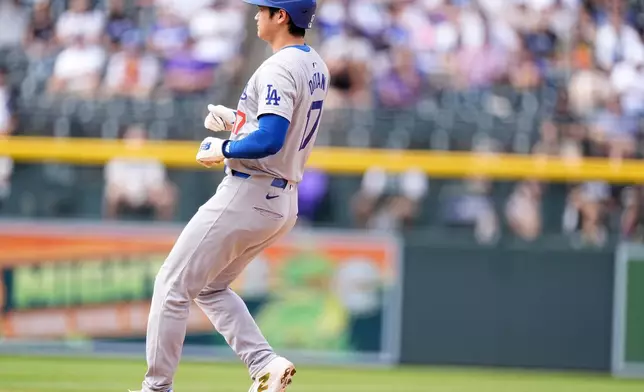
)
(562, 77)
(130, 48)
(389, 54)
(127, 51)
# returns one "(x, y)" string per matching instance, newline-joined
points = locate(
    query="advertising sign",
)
(628, 308)
(322, 293)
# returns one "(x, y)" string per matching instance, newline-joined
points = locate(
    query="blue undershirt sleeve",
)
(266, 141)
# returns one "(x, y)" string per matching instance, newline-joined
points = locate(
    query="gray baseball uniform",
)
(253, 207)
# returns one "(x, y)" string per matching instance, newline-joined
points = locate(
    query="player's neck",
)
(282, 41)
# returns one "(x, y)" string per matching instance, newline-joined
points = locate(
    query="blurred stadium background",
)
(476, 198)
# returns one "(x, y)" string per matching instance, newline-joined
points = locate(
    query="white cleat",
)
(274, 377)
(142, 391)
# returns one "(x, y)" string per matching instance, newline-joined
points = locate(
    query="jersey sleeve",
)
(277, 91)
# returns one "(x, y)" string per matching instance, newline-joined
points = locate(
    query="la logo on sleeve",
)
(271, 97)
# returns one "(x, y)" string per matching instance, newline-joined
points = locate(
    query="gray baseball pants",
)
(245, 216)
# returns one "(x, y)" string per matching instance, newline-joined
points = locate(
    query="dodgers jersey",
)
(293, 83)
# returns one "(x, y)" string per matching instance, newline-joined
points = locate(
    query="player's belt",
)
(277, 182)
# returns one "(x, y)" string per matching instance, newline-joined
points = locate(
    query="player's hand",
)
(211, 152)
(220, 118)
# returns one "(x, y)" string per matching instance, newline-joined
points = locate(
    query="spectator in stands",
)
(627, 80)
(311, 194)
(560, 140)
(349, 56)
(14, 19)
(578, 41)
(118, 23)
(478, 63)
(585, 30)
(138, 184)
(389, 202)
(331, 15)
(184, 9)
(548, 143)
(169, 34)
(523, 210)
(469, 203)
(78, 69)
(435, 32)
(563, 18)
(614, 131)
(40, 40)
(616, 40)
(7, 101)
(7, 126)
(6, 171)
(525, 73)
(585, 213)
(400, 86)
(80, 20)
(632, 219)
(131, 72)
(562, 134)
(218, 32)
(587, 89)
(533, 21)
(185, 75)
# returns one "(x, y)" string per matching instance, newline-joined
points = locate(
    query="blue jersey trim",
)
(303, 48)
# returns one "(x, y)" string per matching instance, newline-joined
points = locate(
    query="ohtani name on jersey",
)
(318, 81)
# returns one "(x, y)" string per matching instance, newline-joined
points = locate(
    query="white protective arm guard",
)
(211, 152)
(220, 118)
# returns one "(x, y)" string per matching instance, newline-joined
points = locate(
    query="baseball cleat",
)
(274, 377)
(169, 390)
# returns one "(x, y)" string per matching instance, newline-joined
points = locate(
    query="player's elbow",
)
(274, 148)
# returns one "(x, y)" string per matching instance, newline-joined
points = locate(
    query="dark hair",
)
(292, 28)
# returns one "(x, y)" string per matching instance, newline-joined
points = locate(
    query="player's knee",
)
(172, 297)
(176, 302)
(211, 291)
(170, 288)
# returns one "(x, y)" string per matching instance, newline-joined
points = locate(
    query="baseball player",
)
(272, 134)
